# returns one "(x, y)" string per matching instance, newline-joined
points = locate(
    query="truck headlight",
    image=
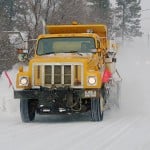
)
(24, 81)
(92, 80)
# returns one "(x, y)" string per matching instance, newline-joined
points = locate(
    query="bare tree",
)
(67, 11)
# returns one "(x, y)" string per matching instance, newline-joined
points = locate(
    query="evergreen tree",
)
(100, 11)
(128, 16)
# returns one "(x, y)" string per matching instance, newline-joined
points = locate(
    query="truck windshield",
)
(65, 45)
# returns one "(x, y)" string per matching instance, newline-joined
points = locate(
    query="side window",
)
(98, 44)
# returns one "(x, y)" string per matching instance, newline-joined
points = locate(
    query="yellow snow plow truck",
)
(72, 71)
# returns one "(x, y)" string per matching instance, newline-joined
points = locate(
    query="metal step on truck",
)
(72, 71)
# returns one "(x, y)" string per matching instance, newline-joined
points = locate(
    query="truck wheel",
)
(27, 110)
(96, 109)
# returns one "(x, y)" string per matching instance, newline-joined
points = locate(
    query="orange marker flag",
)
(106, 76)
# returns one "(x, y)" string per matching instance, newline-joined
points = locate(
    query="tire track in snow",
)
(50, 133)
(58, 132)
(119, 131)
(87, 135)
(101, 135)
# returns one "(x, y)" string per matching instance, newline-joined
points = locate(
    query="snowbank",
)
(7, 102)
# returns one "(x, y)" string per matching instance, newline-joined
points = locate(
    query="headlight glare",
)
(92, 80)
(24, 81)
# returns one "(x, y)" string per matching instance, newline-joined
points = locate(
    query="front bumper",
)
(46, 92)
(27, 94)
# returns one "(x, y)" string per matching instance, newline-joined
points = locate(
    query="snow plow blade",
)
(113, 88)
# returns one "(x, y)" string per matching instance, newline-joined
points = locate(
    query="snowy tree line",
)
(123, 19)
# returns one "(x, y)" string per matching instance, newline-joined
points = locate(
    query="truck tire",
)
(96, 109)
(27, 110)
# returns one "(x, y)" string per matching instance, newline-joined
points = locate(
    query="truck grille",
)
(59, 75)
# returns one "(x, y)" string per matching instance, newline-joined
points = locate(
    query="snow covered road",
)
(117, 131)
(124, 129)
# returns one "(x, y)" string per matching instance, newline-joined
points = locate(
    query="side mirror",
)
(22, 54)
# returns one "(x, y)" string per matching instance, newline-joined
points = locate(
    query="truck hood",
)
(61, 57)
(87, 59)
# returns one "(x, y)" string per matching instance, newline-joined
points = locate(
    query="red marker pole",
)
(8, 78)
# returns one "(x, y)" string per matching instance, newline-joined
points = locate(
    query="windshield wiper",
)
(49, 53)
(74, 51)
